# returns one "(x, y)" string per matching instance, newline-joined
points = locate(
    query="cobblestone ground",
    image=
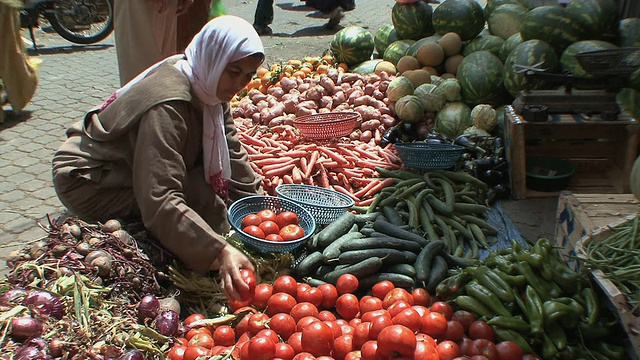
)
(75, 78)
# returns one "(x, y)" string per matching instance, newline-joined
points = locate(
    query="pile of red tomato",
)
(267, 225)
(289, 320)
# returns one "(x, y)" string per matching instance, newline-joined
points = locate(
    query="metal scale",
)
(596, 96)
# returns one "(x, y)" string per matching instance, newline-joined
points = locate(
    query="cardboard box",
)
(578, 215)
(615, 299)
(602, 151)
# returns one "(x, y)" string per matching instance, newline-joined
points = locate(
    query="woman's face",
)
(236, 76)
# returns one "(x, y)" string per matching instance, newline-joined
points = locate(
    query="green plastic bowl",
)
(546, 173)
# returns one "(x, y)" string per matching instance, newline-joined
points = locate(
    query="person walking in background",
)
(17, 73)
(145, 33)
(333, 9)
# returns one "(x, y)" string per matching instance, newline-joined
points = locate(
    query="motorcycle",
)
(78, 21)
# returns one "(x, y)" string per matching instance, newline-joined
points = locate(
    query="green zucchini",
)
(399, 280)
(309, 264)
(387, 228)
(439, 271)
(389, 256)
(333, 250)
(360, 269)
(424, 260)
(384, 241)
(392, 215)
(404, 269)
(336, 229)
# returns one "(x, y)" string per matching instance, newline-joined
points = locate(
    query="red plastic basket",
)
(327, 125)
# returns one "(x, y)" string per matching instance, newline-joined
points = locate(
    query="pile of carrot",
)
(280, 156)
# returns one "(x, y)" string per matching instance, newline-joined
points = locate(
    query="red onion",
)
(55, 347)
(132, 355)
(13, 297)
(30, 352)
(25, 327)
(44, 303)
(167, 323)
(148, 308)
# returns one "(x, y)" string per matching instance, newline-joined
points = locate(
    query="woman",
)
(164, 148)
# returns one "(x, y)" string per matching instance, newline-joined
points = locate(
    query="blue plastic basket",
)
(429, 156)
(325, 205)
(252, 204)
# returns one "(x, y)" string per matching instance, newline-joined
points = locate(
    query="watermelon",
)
(463, 17)
(494, 4)
(506, 19)
(570, 64)
(412, 20)
(366, 67)
(384, 36)
(481, 76)
(453, 119)
(491, 43)
(554, 25)
(529, 53)
(599, 17)
(509, 44)
(396, 50)
(629, 30)
(352, 45)
(413, 50)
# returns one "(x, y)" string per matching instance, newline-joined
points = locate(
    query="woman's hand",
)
(228, 264)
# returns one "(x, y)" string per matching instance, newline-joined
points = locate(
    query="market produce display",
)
(411, 270)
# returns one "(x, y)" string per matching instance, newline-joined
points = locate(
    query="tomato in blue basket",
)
(274, 237)
(251, 219)
(267, 214)
(254, 231)
(287, 218)
(269, 227)
(291, 232)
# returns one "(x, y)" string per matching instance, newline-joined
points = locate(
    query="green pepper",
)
(453, 285)
(544, 270)
(502, 262)
(594, 331)
(486, 297)
(591, 304)
(573, 352)
(473, 305)
(520, 302)
(566, 278)
(494, 283)
(510, 322)
(532, 279)
(557, 335)
(575, 306)
(513, 280)
(535, 310)
(520, 254)
(503, 334)
(611, 351)
(554, 311)
(549, 350)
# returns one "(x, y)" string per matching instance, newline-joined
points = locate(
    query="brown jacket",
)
(143, 155)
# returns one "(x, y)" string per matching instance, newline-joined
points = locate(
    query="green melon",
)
(396, 50)
(352, 45)
(366, 67)
(506, 19)
(599, 17)
(413, 49)
(629, 30)
(384, 36)
(508, 45)
(569, 63)
(529, 53)
(481, 77)
(453, 119)
(412, 20)
(494, 4)
(491, 43)
(463, 17)
(554, 25)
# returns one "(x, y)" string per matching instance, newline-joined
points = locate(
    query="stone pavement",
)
(75, 78)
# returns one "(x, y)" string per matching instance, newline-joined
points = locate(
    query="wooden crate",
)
(615, 299)
(579, 215)
(603, 151)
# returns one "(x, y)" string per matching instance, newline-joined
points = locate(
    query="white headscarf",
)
(222, 40)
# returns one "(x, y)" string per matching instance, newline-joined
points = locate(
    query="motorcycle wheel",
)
(82, 21)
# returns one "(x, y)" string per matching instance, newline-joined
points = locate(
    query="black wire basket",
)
(429, 156)
(621, 61)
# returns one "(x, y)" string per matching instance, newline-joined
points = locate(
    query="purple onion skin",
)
(148, 308)
(44, 303)
(25, 327)
(168, 323)
(13, 297)
(31, 350)
(132, 355)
